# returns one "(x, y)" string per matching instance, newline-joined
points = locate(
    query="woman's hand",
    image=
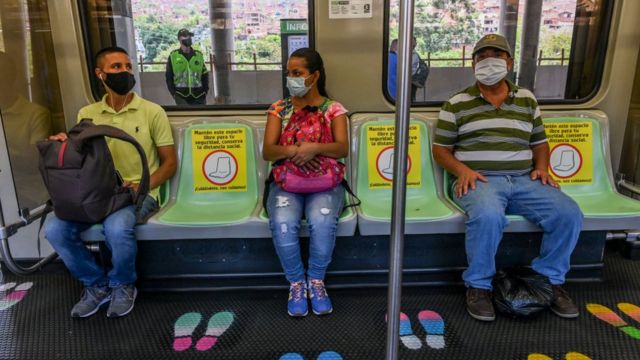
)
(305, 152)
(312, 165)
(291, 151)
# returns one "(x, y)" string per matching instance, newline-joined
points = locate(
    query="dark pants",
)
(190, 100)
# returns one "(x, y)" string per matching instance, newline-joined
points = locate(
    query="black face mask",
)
(186, 42)
(121, 82)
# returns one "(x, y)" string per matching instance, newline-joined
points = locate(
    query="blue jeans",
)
(118, 228)
(556, 213)
(321, 211)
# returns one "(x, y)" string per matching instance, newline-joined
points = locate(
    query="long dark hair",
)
(314, 63)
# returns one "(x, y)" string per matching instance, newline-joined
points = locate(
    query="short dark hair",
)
(108, 50)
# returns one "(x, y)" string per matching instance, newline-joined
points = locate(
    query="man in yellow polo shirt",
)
(149, 125)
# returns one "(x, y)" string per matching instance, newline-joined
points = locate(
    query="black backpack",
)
(419, 79)
(79, 174)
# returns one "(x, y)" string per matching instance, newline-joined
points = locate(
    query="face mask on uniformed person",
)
(296, 86)
(186, 42)
(491, 70)
(121, 82)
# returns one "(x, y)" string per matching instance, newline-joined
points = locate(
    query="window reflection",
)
(30, 103)
(558, 46)
(241, 44)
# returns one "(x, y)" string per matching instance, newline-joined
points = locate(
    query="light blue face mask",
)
(296, 86)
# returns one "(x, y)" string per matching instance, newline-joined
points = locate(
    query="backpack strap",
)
(347, 188)
(94, 131)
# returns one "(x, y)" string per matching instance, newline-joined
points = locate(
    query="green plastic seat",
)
(422, 203)
(598, 199)
(212, 208)
(603, 207)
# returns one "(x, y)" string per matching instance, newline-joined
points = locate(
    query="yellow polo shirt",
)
(145, 121)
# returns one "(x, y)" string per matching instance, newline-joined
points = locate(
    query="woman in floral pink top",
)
(305, 135)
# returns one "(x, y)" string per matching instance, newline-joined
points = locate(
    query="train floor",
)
(35, 324)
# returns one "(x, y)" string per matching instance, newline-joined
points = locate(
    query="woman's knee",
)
(283, 225)
(322, 223)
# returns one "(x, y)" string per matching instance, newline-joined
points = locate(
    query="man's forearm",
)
(541, 157)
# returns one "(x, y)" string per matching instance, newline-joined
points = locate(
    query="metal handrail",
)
(428, 59)
(629, 186)
(400, 150)
(5, 251)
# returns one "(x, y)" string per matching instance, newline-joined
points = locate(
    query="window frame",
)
(95, 88)
(600, 60)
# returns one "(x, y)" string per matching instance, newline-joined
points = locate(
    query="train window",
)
(558, 45)
(30, 102)
(230, 52)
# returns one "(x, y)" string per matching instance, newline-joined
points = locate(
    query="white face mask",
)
(491, 70)
(296, 85)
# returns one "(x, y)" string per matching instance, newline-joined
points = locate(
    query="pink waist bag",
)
(308, 125)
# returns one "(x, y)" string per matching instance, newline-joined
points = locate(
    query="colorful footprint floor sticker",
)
(569, 356)
(607, 315)
(433, 324)
(291, 356)
(19, 293)
(630, 310)
(7, 286)
(407, 337)
(327, 355)
(576, 356)
(183, 330)
(536, 356)
(218, 324)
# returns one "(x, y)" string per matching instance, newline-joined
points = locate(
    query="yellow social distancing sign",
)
(380, 156)
(571, 149)
(219, 159)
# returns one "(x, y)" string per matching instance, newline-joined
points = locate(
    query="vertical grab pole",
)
(396, 243)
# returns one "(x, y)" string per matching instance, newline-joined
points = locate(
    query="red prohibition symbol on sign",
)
(565, 161)
(220, 167)
(385, 169)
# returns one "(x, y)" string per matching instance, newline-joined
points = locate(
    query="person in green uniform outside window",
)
(187, 76)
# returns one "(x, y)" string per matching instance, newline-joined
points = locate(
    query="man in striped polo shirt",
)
(491, 138)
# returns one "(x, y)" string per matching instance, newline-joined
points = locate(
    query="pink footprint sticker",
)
(218, 324)
(183, 330)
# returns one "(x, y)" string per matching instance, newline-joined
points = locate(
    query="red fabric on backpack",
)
(309, 124)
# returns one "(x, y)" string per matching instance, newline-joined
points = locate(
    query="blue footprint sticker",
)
(327, 355)
(291, 356)
(433, 324)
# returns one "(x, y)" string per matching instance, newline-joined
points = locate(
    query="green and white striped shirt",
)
(490, 140)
